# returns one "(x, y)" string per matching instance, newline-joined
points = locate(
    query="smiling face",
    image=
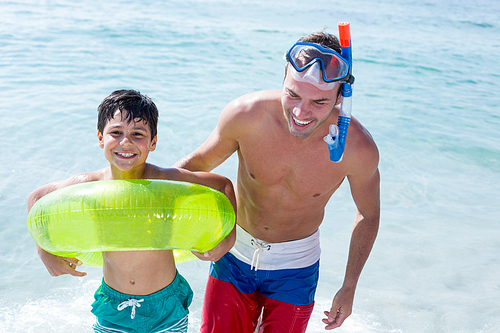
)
(305, 106)
(126, 145)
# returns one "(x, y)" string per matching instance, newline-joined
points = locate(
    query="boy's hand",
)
(213, 255)
(220, 250)
(217, 252)
(59, 265)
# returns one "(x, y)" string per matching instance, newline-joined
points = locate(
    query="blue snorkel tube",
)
(338, 133)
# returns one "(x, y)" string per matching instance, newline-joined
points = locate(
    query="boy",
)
(141, 290)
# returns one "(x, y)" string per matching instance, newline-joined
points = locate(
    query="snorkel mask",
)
(325, 69)
(312, 75)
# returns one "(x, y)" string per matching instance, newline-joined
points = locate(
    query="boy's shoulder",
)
(85, 177)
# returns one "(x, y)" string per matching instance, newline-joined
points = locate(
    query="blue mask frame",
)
(303, 55)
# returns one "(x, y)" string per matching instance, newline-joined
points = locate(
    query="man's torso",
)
(284, 183)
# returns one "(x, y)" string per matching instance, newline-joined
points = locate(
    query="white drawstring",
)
(256, 254)
(131, 302)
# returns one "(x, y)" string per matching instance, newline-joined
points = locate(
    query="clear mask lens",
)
(313, 75)
(332, 65)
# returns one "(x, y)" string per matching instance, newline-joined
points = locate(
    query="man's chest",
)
(304, 171)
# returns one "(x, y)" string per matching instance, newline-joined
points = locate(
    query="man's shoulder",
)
(249, 111)
(362, 146)
(361, 133)
(256, 101)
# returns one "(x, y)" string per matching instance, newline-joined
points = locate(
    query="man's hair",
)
(138, 107)
(324, 39)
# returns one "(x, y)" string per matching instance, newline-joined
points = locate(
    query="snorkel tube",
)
(337, 137)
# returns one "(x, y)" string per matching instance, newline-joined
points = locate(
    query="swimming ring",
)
(83, 220)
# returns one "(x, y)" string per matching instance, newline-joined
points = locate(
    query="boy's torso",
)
(139, 272)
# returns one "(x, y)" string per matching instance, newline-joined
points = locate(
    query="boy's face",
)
(126, 144)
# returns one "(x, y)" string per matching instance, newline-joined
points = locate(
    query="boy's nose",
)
(125, 141)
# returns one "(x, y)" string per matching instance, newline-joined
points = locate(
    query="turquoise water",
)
(427, 87)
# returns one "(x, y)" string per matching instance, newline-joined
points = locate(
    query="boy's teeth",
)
(126, 154)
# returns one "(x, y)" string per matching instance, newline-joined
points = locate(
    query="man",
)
(285, 179)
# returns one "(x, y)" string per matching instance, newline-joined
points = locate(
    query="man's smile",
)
(301, 122)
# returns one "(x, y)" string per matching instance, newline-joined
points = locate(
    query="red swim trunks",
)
(226, 310)
(238, 293)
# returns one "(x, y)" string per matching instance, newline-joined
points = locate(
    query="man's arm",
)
(364, 232)
(219, 183)
(365, 190)
(218, 147)
(238, 120)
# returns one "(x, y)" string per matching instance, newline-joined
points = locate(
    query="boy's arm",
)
(221, 184)
(57, 265)
(226, 187)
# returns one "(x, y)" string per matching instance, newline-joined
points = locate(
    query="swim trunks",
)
(277, 279)
(163, 311)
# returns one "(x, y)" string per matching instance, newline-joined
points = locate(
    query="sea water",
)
(427, 88)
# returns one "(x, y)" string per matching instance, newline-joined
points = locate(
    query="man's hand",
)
(341, 308)
(59, 265)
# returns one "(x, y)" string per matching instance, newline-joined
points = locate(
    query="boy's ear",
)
(152, 145)
(101, 141)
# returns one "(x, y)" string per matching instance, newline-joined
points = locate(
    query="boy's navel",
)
(132, 282)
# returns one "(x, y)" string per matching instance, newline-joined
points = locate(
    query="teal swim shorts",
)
(163, 311)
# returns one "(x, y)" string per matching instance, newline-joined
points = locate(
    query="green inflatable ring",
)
(83, 220)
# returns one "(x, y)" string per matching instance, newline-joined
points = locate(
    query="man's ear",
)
(338, 101)
(338, 96)
(152, 145)
(101, 140)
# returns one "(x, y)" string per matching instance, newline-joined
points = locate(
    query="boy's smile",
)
(126, 145)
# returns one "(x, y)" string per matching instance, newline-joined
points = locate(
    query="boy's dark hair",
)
(139, 106)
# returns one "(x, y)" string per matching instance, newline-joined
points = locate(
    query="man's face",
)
(305, 106)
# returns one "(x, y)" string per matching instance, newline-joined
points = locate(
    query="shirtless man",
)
(285, 179)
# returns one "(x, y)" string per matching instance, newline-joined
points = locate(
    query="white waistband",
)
(272, 256)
